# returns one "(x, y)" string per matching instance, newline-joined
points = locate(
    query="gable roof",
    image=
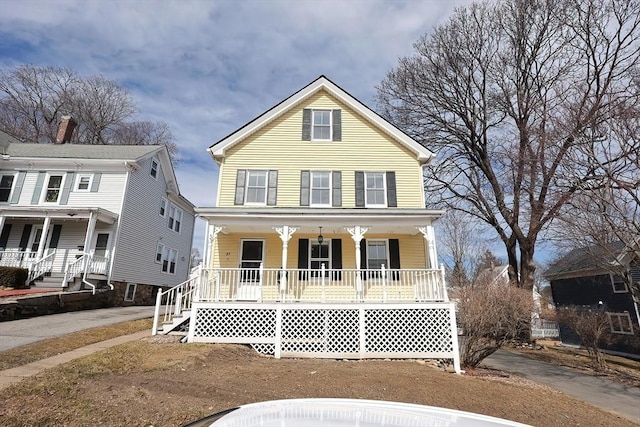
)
(491, 275)
(588, 260)
(219, 148)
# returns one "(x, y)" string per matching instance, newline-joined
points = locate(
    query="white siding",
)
(142, 227)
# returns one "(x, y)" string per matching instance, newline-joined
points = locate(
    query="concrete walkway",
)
(609, 395)
(13, 375)
(15, 333)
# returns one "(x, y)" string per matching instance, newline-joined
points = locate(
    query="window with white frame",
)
(320, 188)
(175, 217)
(377, 254)
(620, 323)
(84, 183)
(619, 283)
(130, 292)
(154, 169)
(163, 207)
(319, 254)
(159, 253)
(169, 259)
(321, 125)
(256, 190)
(375, 191)
(6, 184)
(54, 185)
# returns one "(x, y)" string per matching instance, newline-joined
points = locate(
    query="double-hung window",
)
(322, 125)
(154, 169)
(54, 185)
(163, 207)
(175, 218)
(619, 284)
(169, 258)
(159, 253)
(375, 189)
(377, 254)
(84, 183)
(256, 189)
(620, 323)
(6, 183)
(320, 188)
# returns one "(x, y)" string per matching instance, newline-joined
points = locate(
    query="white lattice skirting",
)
(352, 331)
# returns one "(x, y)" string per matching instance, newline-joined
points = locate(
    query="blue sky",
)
(208, 67)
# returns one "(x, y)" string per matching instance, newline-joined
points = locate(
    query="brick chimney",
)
(65, 130)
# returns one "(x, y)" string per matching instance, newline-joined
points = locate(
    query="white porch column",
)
(285, 232)
(430, 236)
(91, 226)
(357, 234)
(43, 237)
(211, 235)
(1, 224)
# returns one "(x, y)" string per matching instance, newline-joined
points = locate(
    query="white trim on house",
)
(218, 150)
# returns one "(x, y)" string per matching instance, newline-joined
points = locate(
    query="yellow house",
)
(320, 221)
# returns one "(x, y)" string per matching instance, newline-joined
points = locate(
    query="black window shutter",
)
(303, 258)
(337, 125)
(55, 236)
(394, 258)
(392, 200)
(272, 191)
(240, 180)
(336, 188)
(4, 236)
(359, 189)
(336, 258)
(305, 183)
(306, 124)
(363, 257)
(24, 239)
(15, 197)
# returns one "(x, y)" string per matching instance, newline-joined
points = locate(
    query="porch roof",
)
(58, 212)
(402, 221)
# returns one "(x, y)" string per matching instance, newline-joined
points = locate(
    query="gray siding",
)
(142, 227)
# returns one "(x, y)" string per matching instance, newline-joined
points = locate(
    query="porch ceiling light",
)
(320, 236)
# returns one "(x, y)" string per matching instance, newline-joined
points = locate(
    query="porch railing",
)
(98, 265)
(174, 302)
(74, 268)
(41, 266)
(324, 285)
(22, 259)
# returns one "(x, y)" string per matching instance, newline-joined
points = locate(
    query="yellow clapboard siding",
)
(279, 146)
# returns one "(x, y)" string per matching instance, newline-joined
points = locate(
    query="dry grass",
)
(151, 382)
(53, 346)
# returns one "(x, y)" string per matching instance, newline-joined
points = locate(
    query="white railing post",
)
(383, 271)
(261, 280)
(156, 312)
(177, 308)
(322, 271)
(445, 294)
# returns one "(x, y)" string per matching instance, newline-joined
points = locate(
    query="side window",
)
(175, 218)
(84, 183)
(163, 207)
(620, 323)
(159, 252)
(619, 284)
(154, 169)
(6, 184)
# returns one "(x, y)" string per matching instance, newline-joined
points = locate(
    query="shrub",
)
(14, 277)
(592, 326)
(491, 316)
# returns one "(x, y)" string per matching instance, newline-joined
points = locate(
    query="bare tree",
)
(490, 316)
(33, 99)
(509, 95)
(592, 326)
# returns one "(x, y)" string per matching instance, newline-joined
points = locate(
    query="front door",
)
(251, 256)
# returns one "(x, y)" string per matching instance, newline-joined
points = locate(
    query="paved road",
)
(601, 392)
(15, 333)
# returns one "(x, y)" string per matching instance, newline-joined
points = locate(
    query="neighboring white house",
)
(91, 216)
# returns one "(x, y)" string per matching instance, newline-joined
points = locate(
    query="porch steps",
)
(175, 325)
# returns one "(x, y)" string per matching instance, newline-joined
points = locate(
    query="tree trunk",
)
(527, 267)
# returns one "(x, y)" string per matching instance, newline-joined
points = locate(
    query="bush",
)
(491, 316)
(592, 326)
(14, 277)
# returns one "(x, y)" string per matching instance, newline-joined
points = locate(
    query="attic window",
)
(619, 284)
(154, 169)
(321, 125)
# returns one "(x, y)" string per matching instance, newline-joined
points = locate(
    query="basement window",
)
(130, 293)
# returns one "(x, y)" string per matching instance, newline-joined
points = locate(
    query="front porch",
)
(60, 247)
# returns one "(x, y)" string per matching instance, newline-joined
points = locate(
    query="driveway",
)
(601, 392)
(15, 333)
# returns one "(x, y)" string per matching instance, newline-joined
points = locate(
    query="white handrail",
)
(176, 301)
(41, 266)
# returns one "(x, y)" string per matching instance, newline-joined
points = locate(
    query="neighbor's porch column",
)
(91, 226)
(357, 234)
(1, 226)
(430, 236)
(43, 237)
(285, 233)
